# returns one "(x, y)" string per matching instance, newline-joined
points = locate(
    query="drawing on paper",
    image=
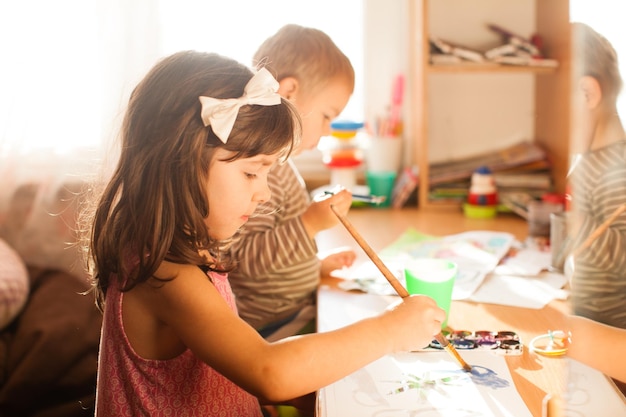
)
(437, 380)
(477, 253)
(428, 384)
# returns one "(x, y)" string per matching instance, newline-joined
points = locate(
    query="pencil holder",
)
(383, 154)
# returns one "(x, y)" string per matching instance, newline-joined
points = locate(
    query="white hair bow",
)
(221, 114)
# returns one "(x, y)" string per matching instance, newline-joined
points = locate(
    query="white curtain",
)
(67, 69)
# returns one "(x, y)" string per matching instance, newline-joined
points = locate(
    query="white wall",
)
(474, 113)
(468, 113)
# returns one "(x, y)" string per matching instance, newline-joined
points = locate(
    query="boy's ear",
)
(288, 88)
(591, 90)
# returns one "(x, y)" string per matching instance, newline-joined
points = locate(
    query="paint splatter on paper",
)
(425, 384)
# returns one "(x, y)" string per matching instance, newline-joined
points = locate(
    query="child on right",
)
(598, 182)
(199, 138)
(598, 345)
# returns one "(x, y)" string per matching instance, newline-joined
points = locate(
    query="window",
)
(70, 66)
(237, 28)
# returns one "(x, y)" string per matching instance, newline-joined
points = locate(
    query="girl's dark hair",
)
(154, 207)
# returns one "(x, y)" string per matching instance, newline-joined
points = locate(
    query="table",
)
(534, 376)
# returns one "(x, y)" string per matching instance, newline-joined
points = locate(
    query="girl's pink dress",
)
(129, 385)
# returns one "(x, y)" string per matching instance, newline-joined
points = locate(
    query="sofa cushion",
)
(14, 285)
(49, 353)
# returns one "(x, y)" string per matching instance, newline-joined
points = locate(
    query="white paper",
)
(426, 384)
(591, 393)
(476, 253)
(521, 280)
(525, 262)
(521, 291)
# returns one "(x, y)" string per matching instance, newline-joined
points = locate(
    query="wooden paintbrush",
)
(402, 292)
(597, 232)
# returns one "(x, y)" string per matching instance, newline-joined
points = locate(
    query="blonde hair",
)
(306, 54)
(594, 56)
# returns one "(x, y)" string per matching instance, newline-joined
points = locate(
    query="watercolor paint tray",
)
(504, 342)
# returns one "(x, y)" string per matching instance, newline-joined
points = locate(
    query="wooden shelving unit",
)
(487, 67)
(551, 85)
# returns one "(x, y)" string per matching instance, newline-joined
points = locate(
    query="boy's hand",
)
(338, 259)
(319, 215)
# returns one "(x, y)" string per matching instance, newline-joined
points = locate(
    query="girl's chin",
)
(224, 235)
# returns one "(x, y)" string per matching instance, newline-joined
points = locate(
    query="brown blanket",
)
(48, 355)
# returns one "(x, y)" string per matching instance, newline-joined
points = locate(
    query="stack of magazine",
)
(520, 168)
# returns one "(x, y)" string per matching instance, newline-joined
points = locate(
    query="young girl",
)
(598, 181)
(278, 268)
(199, 137)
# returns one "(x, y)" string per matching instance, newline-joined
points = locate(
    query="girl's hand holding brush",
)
(402, 292)
(412, 323)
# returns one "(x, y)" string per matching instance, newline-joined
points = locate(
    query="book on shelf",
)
(531, 183)
(516, 50)
(405, 186)
(447, 48)
(501, 50)
(528, 45)
(542, 164)
(525, 45)
(540, 180)
(521, 156)
(445, 59)
(517, 202)
(526, 61)
(449, 192)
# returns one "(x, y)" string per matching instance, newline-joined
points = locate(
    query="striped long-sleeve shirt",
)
(599, 279)
(277, 269)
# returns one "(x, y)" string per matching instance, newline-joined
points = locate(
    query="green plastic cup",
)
(432, 277)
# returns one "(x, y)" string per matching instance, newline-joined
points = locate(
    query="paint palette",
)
(503, 342)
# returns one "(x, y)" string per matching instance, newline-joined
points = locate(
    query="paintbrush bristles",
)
(447, 346)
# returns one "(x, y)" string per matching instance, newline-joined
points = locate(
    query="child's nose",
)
(263, 194)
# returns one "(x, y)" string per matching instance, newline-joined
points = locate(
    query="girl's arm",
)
(598, 345)
(193, 314)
